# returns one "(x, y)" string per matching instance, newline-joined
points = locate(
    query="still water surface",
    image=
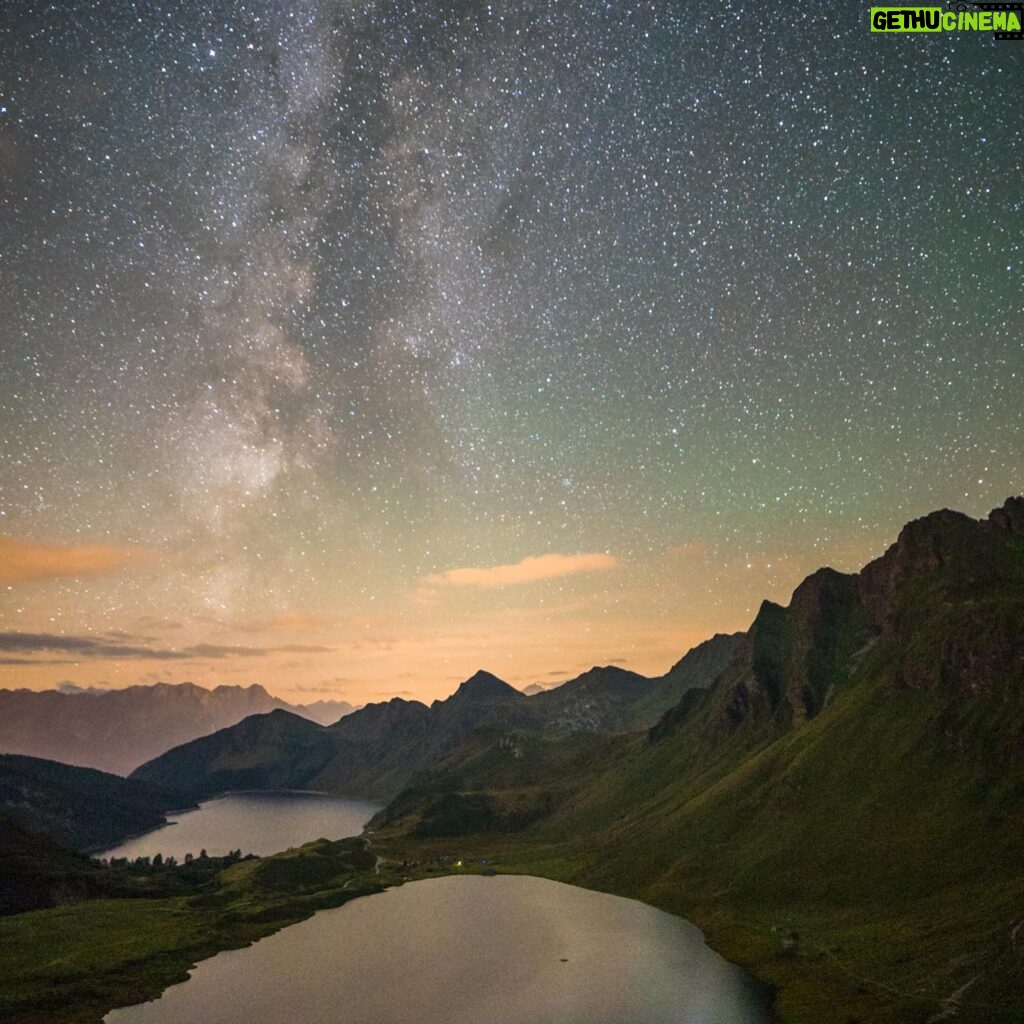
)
(260, 823)
(456, 950)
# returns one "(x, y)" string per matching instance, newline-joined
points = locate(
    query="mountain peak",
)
(1010, 515)
(605, 676)
(483, 688)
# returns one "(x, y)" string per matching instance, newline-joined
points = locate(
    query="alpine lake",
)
(507, 949)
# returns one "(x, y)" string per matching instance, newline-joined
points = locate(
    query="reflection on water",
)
(260, 823)
(501, 950)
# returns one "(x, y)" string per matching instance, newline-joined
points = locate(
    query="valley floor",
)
(71, 964)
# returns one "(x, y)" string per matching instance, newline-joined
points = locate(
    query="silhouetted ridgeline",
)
(374, 751)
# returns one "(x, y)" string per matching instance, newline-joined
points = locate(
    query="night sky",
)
(348, 348)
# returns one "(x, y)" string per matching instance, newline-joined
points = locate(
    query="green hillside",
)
(841, 810)
(72, 964)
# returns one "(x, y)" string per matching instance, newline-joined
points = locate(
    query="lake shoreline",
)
(659, 966)
(260, 822)
(204, 927)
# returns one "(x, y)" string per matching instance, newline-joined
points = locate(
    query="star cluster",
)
(311, 307)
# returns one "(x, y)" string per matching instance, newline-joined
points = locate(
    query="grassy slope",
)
(907, 878)
(885, 831)
(72, 964)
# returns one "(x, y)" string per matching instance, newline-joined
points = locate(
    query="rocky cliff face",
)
(942, 600)
(788, 665)
(377, 722)
(1010, 516)
(933, 611)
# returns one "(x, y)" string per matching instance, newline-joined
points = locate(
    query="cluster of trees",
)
(143, 865)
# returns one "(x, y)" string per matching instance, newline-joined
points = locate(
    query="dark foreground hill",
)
(117, 730)
(50, 811)
(36, 872)
(79, 808)
(842, 809)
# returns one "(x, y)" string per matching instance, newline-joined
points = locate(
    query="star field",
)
(309, 306)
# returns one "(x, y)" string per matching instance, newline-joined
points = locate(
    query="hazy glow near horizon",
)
(348, 348)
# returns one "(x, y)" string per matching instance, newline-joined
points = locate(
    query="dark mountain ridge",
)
(370, 753)
(480, 688)
(277, 750)
(375, 751)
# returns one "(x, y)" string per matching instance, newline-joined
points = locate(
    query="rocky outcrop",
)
(932, 611)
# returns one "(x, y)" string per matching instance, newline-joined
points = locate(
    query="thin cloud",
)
(22, 561)
(81, 646)
(529, 570)
(222, 651)
(21, 644)
(327, 686)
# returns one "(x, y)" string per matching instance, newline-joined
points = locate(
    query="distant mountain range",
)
(376, 750)
(612, 699)
(117, 730)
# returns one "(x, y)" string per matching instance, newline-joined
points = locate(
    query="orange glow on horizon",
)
(23, 561)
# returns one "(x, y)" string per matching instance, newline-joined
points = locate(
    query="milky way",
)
(310, 307)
